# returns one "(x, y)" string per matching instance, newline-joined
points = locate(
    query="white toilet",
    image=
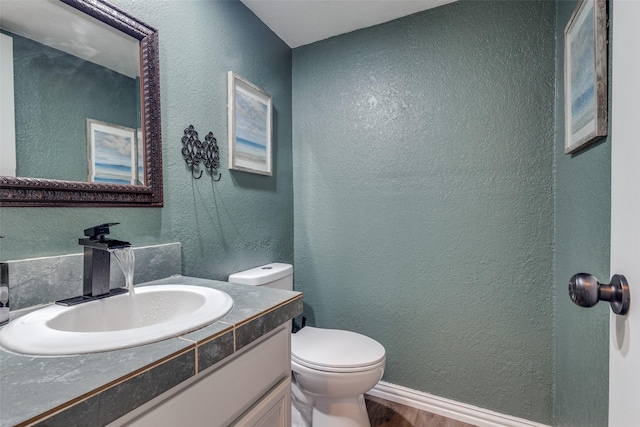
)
(332, 369)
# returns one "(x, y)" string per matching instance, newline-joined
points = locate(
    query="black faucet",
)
(97, 265)
(98, 240)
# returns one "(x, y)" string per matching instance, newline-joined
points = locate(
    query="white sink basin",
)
(154, 313)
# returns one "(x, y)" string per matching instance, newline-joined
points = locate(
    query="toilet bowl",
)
(332, 368)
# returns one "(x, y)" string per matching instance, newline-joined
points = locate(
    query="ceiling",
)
(300, 22)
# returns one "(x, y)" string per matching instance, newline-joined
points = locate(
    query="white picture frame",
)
(250, 127)
(111, 153)
(140, 158)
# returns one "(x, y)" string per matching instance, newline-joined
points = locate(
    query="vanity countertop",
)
(95, 389)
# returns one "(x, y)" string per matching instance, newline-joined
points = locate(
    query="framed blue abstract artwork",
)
(249, 127)
(585, 75)
(112, 153)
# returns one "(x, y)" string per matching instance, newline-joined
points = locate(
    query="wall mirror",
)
(84, 125)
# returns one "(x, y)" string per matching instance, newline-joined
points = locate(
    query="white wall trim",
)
(448, 408)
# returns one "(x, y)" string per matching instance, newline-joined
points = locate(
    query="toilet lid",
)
(333, 348)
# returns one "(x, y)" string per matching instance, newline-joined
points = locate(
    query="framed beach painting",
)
(250, 118)
(112, 153)
(585, 75)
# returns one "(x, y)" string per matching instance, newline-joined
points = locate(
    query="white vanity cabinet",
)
(250, 388)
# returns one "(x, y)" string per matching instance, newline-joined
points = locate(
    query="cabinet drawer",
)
(222, 393)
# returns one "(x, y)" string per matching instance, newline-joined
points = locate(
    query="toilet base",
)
(350, 412)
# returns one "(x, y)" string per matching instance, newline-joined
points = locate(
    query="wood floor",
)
(384, 413)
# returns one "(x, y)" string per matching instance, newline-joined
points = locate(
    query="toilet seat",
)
(335, 350)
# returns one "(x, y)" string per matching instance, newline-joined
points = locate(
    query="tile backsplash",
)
(43, 280)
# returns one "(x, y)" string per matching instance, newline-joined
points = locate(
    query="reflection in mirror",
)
(86, 103)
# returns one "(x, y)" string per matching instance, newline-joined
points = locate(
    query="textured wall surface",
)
(54, 95)
(423, 199)
(242, 221)
(582, 243)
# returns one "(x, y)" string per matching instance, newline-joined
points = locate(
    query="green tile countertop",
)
(95, 389)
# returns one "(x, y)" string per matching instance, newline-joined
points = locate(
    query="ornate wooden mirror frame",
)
(16, 191)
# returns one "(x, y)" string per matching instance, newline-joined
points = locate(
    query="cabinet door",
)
(274, 410)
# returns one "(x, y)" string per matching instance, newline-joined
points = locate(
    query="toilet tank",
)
(274, 275)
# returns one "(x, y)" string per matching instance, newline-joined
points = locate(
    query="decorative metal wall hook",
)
(192, 150)
(211, 155)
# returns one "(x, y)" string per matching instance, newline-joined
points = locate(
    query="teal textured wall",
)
(582, 243)
(423, 203)
(54, 95)
(240, 222)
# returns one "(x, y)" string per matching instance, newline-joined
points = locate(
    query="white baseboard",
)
(448, 408)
